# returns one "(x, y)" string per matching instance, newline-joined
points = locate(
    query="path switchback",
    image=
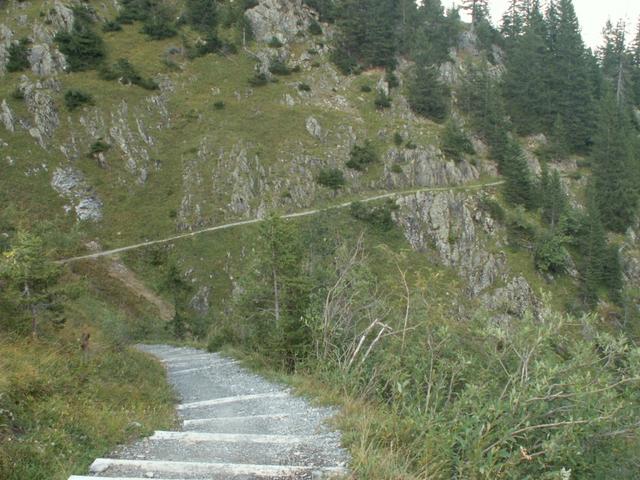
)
(235, 426)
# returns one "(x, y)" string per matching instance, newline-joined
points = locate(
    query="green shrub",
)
(382, 100)
(362, 155)
(427, 95)
(454, 142)
(18, 56)
(392, 80)
(123, 71)
(379, 217)
(17, 94)
(75, 98)
(315, 28)
(275, 43)
(99, 146)
(82, 47)
(112, 26)
(332, 178)
(159, 28)
(258, 80)
(278, 67)
(366, 89)
(304, 87)
(219, 105)
(397, 139)
(410, 145)
(550, 256)
(396, 168)
(493, 208)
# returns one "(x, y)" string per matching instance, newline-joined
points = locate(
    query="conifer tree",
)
(635, 63)
(526, 73)
(593, 249)
(553, 198)
(616, 62)
(478, 10)
(570, 92)
(614, 166)
(518, 188)
(427, 95)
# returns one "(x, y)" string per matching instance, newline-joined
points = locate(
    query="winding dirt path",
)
(305, 213)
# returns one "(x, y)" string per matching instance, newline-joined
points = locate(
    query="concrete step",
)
(119, 468)
(307, 450)
(243, 405)
(272, 424)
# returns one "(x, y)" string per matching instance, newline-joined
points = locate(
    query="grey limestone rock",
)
(43, 108)
(452, 225)
(283, 19)
(45, 60)
(314, 128)
(6, 116)
(513, 300)
(70, 183)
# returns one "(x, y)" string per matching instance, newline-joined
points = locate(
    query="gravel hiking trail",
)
(235, 425)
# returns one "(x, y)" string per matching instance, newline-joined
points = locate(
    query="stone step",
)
(307, 423)
(120, 468)
(310, 450)
(243, 405)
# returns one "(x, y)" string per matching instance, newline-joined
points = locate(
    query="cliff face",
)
(209, 147)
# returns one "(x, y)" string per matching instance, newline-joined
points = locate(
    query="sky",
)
(592, 14)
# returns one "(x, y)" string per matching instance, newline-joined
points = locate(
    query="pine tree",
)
(512, 24)
(31, 276)
(427, 95)
(570, 92)
(553, 198)
(526, 73)
(594, 253)
(478, 10)
(518, 188)
(202, 15)
(614, 166)
(635, 63)
(617, 62)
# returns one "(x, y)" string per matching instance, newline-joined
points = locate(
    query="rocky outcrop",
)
(134, 145)
(6, 36)
(6, 116)
(314, 128)
(70, 183)
(200, 301)
(43, 108)
(283, 19)
(515, 299)
(452, 225)
(424, 167)
(46, 60)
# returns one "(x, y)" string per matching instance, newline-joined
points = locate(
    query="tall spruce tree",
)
(478, 10)
(519, 187)
(570, 92)
(635, 66)
(526, 73)
(553, 198)
(616, 62)
(614, 166)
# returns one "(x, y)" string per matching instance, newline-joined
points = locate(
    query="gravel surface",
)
(235, 425)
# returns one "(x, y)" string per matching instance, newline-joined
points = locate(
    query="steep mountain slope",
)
(178, 138)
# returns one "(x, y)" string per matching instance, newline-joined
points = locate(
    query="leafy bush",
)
(82, 47)
(382, 100)
(397, 139)
(159, 28)
(454, 142)
(75, 98)
(392, 80)
(493, 208)
(275, 43)
(18, 56)
(112, 26)
(332, 178)
(378, 216)
(366, 89)
(304, 87)
(219, 105)
(362, 155)
(396, 168)
(427, 95)
(550, 256)
(278, 67)
(258, 80)
(202, 15)
(315, 28)
(123, 71)
(99, 146)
